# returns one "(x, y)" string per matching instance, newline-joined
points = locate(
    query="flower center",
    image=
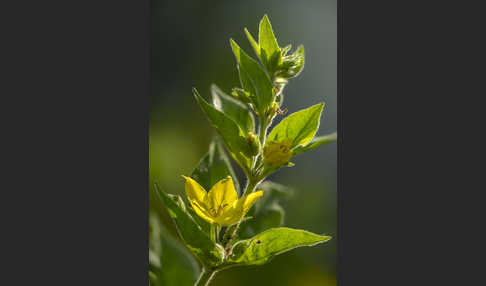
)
(215, 212)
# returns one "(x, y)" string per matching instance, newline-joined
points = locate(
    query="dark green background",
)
(190, 48)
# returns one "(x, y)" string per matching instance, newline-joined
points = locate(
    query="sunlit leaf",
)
(253, 78)
(316, 142)
(266, 37)
(253, 43)
(269, 49)
(299, 127)
(264, 246)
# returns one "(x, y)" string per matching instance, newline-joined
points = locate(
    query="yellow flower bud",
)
(277, 153)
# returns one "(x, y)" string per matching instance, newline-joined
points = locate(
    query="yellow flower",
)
(277, 153)
(221, 204)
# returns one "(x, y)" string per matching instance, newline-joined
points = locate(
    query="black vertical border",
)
(77, 95)
(340, 142)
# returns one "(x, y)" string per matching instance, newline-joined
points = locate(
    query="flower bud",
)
(277, 153)
(272, 110)
(292, 65)
(254, 143)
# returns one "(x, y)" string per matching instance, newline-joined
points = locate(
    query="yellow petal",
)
(238, 209)
(250, 199)
(194, 191)
(228, 219)
(221, 196)
(201, 212)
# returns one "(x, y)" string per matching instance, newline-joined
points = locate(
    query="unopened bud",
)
(277, 153)
(292, 65)
(272, 110)
(254, 143)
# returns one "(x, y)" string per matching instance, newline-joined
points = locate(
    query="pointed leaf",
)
(262, 247)
(208, 252)
(236, 110)
(316, 142)
(253, 43)
(266, 37)
(299, 127)
(253, 78)
(269, 49)
(232, 135)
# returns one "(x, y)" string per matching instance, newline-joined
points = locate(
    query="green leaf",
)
(266, 37)
(253, 43)
(171, 264)
(264, 246)
(232, 135)
(316, 142)
(253, 79)
(209, 253)
(236, 110)
(299, 127)
(269, 49)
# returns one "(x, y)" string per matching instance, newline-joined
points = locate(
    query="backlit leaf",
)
(316, 142)
(299, 127)
(269, 49)
(264, 246)
(253, 78)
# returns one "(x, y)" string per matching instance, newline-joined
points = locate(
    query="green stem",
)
(262, 132)
(262, 135)
(205, 277)
(250, 188)
(254, 179)
(212, 230)
(252, 183)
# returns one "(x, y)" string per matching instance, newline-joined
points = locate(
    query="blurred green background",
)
(190, 48)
